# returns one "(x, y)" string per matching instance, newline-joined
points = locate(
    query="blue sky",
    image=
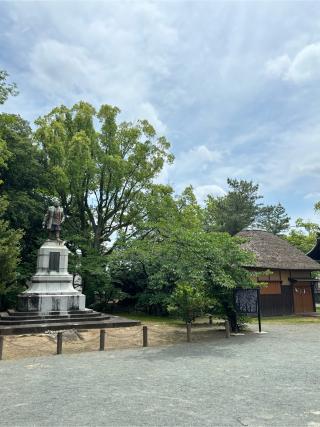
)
(233, 85)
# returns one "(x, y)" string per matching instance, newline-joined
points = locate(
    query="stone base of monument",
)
(51, 302)
(46, 303)
(51, 287)
(17, 322)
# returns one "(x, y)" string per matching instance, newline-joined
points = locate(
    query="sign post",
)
(247, 301)
(259, 310)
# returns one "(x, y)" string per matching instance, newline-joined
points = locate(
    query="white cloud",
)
(148, 111)
(278, 67)
(295, 158)
(202, 191)
(194, 162)
(201, 155)
(306, 64)
(303, 67)
(313, 196)
(100, 52)
(193, 167)
(62, 70)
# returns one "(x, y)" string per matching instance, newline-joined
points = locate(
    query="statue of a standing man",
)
(53, 219)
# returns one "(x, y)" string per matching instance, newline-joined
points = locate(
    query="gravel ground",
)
(248, 380)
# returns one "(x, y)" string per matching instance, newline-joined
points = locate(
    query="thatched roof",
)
(273, 252)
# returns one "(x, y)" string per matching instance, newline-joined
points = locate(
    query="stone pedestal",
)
(51, 289)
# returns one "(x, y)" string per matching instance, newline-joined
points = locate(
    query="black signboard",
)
(247, 301)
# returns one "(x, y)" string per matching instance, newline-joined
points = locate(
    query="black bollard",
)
(1, 347)
(145, 336)
(59, 343)
(227, 326)
(102, 339)
(189, 332)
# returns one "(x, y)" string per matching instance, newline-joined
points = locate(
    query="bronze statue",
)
(53, 219)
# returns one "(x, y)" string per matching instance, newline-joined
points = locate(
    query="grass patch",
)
(293, 320)
(167, 320)
(154, 319)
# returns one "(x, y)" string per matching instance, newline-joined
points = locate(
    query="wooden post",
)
(1, 347)
(145, 336)
(210, 320)
(259, 310)
(102, 339)
(227, 326)
(59, 343)
(189, 332)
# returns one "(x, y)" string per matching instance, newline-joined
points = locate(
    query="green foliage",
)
(4, 155)
(239, 209)
(103, 173)
(6, 89)
(189, 301)
(9, 238)
(97, 285)
(177, 250)
(304, 236)
(23, 181)
(234, 211)
(9, 258)
(273, 218)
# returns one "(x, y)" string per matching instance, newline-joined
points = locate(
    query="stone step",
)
(53, 319)
(48, 316)
(35, 328)
(37, 313)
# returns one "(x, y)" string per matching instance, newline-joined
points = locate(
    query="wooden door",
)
(302, 295)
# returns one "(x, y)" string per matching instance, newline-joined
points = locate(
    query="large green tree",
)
(273, 218)
(9, 259)
(179, 259)
(234, 211)
(241, 208)
(303, 235)
(24, 186)
(101, 169)
(9, 238)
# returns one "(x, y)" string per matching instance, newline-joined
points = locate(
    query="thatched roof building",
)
(290, 282)
(275, 253)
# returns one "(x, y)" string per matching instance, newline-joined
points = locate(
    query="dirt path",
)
(21, 346)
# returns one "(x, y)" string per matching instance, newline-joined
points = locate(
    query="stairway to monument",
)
(15, 323)
(28, 315)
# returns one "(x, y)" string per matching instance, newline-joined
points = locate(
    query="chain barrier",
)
(153, 332)
(23, 347)
(162, 332)
(81, 339)
(84, 341)
(124, 336)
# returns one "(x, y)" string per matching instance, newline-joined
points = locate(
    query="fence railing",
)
(102, 340)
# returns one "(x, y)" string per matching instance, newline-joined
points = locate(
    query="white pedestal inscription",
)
(51, 288)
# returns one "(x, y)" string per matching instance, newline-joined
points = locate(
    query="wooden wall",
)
(277, 304)
(278, 297)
